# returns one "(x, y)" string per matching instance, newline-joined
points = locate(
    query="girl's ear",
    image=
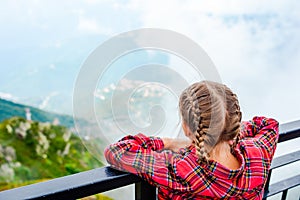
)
(187, 131)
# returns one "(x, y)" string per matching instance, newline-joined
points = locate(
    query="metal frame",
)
(103, 179)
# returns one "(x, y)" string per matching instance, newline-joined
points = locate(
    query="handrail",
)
(289, 131)
(285, 159)
(73, 186)
(283, 186)
(106, 178)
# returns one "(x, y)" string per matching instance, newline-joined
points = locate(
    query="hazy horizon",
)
(254, 46)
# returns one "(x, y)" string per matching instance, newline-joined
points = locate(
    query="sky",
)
(254, 45)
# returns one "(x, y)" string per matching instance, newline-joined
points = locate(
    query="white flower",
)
(43, 126)
(67, 135)
(43, 141)
(6, 173)
(9, 154)
(67, 149)
(1, 151)
(9, 128)
(38, 150)
(23, 127)
(52, 135)
(43, 145)
(17, 164)
(21, 132)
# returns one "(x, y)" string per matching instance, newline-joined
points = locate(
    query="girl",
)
(222, 158)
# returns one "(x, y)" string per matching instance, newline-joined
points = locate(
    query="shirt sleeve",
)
(264, 132)
(145, 157)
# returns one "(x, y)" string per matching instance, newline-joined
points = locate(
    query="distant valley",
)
(10, 109)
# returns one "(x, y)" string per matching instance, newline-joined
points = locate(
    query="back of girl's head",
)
(211, 111)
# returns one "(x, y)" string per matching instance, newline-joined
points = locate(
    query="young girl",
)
(223, 157)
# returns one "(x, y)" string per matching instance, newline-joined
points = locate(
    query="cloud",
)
(46, 100)
(8, 96)
(91, 26)
(254, 45)
(52, 66)
(32, 71)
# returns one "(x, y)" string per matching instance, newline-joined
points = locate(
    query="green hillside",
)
(10, 109)
(37, 150)
(31, 150)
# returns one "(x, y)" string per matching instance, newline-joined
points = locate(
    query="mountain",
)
(40, 148)
(10, 109)
(32, 151)
(137, 106)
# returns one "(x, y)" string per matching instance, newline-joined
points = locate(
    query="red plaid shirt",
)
(179, 175)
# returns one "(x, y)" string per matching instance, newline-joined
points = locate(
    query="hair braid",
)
(233, 117)
(212, 113)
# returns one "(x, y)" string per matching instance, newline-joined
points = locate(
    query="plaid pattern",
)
(179, 175)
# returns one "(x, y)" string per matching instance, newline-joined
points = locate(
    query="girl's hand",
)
(174, 144)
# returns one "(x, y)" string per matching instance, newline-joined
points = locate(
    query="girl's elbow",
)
(108, 154)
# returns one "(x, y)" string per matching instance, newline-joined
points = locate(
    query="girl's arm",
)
(176, 144)
(264, 131)
(144, 156)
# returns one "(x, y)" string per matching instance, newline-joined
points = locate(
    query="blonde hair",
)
(212, 113)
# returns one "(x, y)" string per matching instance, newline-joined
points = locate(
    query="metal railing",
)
(288, 132)
(104, 179)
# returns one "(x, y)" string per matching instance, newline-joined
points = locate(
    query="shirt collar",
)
(218, 170)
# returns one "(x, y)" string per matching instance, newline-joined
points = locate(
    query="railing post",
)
(284, 194)
(144, 191)
(266, 189)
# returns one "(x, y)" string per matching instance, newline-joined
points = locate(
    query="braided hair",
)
(212, 113)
